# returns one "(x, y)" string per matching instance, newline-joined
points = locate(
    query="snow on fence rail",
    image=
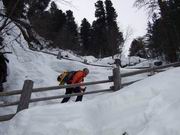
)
(28, 89)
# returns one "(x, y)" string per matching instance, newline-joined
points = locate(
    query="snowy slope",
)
(43, 70)
(150, 107)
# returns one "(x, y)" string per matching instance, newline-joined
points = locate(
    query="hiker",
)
(77, 77)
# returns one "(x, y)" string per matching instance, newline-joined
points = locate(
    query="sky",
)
(131, 21)
(129, 17)
(148, 107)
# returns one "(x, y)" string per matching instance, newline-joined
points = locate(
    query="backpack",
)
(65, 77)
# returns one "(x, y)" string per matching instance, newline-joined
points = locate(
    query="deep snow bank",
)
(150, 106)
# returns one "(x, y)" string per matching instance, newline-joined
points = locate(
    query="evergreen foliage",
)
(114, 36)
(14, 5)
(86, 37)
(105, 35)
(15, 11)
(57, 26)
(99, 30)
(137, 48)
(71, 34)
(48, 23)
(37, 7)
(163, 34)
(101, 39)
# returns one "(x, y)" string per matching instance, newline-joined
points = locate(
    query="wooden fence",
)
(27, 90)
(59, 56)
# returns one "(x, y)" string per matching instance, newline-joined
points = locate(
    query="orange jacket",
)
(78, 77)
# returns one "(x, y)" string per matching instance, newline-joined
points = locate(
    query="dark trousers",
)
(70, 91)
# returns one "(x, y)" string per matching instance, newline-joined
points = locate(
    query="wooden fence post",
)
(59, 56)
(152, 72)
(85, 61)
(117, 62)
(25, 95)
(116, 79)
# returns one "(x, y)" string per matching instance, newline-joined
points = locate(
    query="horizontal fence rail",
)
(16, 92)
(129, 83)
(69, 86)
(10, 93)
(149, 69)
(55, 97)
(6, 117)
(69, 95)
(27, 90)
(9, 104)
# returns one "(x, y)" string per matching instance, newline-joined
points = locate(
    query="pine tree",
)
(106, 35)
(114, 37)
(99, 31)
(47, 23)
(165, 38)
(72, 40)
(174, 17)
(37, 7)
(166, 34)
(86, 37)
(14, 8)
(16, 12)
(68, 35)
(154, 48)
(137, 48)
(58, 18)
(111, 14)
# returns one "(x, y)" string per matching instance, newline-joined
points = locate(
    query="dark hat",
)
(86, 70)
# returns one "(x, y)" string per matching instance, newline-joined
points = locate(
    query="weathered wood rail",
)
(27, 90)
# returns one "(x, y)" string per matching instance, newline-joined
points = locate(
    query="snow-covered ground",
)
(150, 107)
(147, 107)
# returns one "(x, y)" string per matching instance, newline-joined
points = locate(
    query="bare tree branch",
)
(2, 47)
(150, 5)
(5, 31)
(128, 34)
(6, 52)
(5, 24)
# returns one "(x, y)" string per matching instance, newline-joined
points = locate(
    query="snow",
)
(148, 107)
